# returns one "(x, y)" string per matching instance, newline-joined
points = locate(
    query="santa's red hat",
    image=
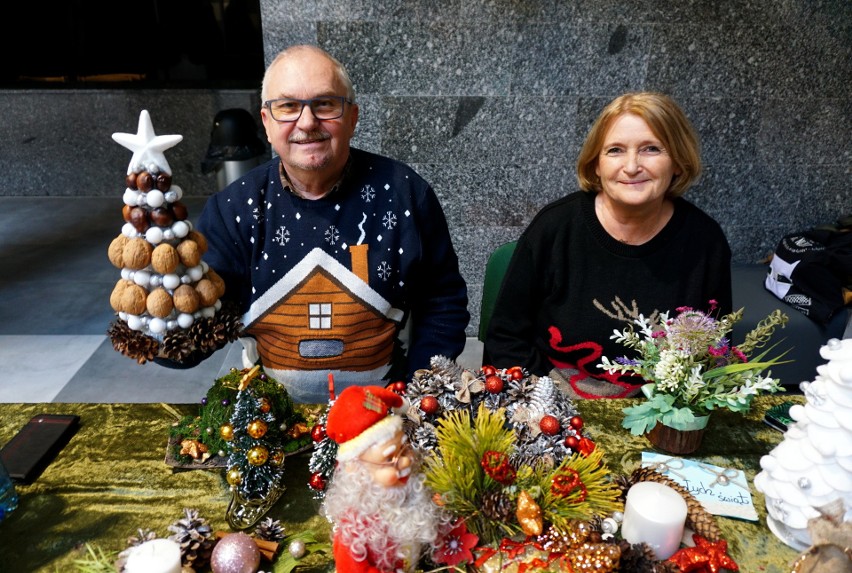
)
(361, 417)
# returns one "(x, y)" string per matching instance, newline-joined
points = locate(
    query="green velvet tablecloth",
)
(111, 480)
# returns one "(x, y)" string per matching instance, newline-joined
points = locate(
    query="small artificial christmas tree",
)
(812, 467)
(168, 299)
(256, 461)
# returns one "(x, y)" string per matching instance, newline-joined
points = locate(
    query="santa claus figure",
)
(383, 516)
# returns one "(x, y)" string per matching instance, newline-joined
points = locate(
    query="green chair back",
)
(495, 269)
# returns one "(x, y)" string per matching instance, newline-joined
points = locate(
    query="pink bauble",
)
(235, 553)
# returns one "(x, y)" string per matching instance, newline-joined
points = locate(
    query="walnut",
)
(189, 253)
(116, 250)
(137, 254)
(117, 291)
(199, 239)
(159, 303)
(165, 259)
(186, 299)
(217, 281)
(207, 292)
(133, 299)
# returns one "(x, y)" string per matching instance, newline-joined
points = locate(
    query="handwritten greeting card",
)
(722, 491)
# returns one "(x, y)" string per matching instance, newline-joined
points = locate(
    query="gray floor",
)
(55, 282)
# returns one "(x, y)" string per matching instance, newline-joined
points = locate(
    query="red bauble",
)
(488, 370)
(318, 433)
(576, 423)
(549, 425)
(515, 373)
(316, 481)
(429, 404)
(399, 387)
(572, 442)
(494, 384)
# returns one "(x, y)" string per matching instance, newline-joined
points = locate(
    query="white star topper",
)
(147, 147)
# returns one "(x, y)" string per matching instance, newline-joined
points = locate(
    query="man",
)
(340, 259)
(383, 517)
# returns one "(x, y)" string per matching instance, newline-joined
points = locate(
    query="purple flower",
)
(626, 361)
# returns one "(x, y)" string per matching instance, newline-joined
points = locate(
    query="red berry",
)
(318, 433)
(316, 481)
(515, 373)
(429, 404)
(572, 442)
(549, 425)
(494, 384)
(488, 370)
(576, 423)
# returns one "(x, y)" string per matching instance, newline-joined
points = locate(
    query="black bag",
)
(812, 270)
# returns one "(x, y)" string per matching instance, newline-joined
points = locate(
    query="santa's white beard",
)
(382, 523)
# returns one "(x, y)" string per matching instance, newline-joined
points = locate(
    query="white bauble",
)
(180, 229)
(185, 320)
(128, 230)
(157, 325)
(131, 197)
(134, 322)
(195, 273)
(154, 235)
(178, 192)
(155, 198)
(142, 278)
(171, 281)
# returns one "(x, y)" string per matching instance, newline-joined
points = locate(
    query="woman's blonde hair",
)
(669, 124)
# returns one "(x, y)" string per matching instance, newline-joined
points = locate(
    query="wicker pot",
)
(676, 440)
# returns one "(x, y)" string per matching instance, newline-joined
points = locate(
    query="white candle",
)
(155, 556)
(654, 514)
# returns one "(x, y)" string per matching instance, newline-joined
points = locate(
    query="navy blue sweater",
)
(272, 247)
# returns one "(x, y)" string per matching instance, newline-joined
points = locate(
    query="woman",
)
(628, 244)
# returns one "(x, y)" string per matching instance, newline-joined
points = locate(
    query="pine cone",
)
(637, 558)
(142, 535)
(698, 519)
(195, 537)
(177, 346)
(269, 530)
(497, 506)
(623, 483)
(231, 323)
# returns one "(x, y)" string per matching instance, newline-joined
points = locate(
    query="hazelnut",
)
(130, 180)
(190, 256)
(165, 259)
(145, 181)
(186, 299)
(180, 211)
(208, 294)
(164, 182)
(116, 250)
(159, 303)
(137, 254)
(133, 299)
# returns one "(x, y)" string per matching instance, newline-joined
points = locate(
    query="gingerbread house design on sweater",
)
(323, 316)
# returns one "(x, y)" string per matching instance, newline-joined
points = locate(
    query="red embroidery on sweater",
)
(593, 356)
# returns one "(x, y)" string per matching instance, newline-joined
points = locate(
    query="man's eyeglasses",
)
(290, 109)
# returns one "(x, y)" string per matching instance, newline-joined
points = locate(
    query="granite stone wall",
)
(490, 100)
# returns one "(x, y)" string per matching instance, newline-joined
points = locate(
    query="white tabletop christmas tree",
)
(812, 466)
(167, 299)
